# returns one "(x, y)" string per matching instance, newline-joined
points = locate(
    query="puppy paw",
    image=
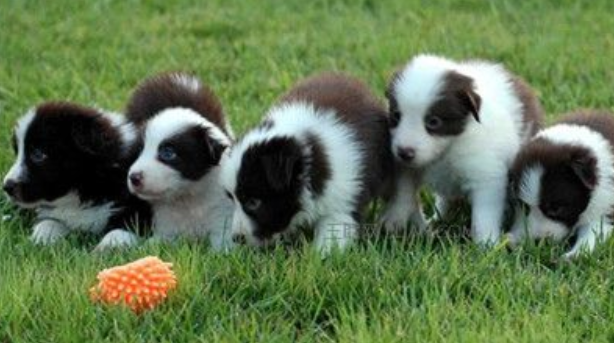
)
(335, 237)
(394, 220)
(48, 232)
(117, 239)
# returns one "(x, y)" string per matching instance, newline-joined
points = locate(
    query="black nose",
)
(239, 238)
(406, 154)
(10, 187)
(136, 179)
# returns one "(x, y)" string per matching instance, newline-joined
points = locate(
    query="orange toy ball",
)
(140, 285)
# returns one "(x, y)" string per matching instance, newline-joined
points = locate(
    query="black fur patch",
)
(270, 174)
(319, 167)
(457, 100)
(568, 178)
(196, 152)
(83, 153)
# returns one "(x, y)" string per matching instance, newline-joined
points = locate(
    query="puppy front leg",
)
(337, 231)
(48, 231)
(588, 236)
(404, 205)
(487, 207)
(220, 237)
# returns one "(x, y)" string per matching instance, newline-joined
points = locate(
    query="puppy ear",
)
(92, 135)
(584, 166)
(281, 168)
(473, 101)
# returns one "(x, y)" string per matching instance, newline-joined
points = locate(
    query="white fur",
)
(159, 180)
(474, 163)
(19, 168)
(117, 238)
(593, 224)
(334, 206)
(182, 208)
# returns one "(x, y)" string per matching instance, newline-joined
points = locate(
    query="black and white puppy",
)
(184, 133)
(456, 127)
(71, 167)
(319, 157)
(564, 182)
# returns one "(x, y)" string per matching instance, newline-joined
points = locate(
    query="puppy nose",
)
(10, 187)
(239, 238)
(136, 179)
(406, 154)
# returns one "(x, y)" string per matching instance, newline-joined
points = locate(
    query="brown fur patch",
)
(533, 113)
(355, 105)
(163, 91)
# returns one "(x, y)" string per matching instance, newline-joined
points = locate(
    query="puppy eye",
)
(37, 156)
(252, 204)
(555, 211)
(229, 195)
(395, 117)
(167, 153)
(433, 123)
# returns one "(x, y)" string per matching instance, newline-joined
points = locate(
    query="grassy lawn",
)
(94, 52)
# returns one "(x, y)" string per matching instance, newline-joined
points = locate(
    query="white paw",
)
(222, 241)
(117, 239)
(338, 236)
(487, 239)
(48, 232)
(394, 220)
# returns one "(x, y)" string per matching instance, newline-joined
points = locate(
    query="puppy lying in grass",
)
(182, 133)
(71, 168)
(563, 181)
(318, 158)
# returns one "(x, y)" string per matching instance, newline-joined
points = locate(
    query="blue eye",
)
(167, 154)
(37, 156)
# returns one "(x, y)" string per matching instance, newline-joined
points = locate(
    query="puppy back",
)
(174, 90)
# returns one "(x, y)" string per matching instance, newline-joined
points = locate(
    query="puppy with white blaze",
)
(183, 134)
(70, 168)
(564, 182)
(319, 157)
(456, 127)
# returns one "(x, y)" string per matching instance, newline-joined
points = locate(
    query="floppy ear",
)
(281, 167)
(215, 149)
(473, 101)
(584, 166)
(92, 136)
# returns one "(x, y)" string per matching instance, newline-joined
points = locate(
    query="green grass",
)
(94, 52)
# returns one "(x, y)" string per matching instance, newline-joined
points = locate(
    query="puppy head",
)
(553, 186)
(59, 147)
(266, 180)
(430, 104)
(179, 147)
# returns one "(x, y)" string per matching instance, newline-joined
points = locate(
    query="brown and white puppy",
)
(564, 182)
(183, 133)
(319, 157)
(70, 168)
(456, 127)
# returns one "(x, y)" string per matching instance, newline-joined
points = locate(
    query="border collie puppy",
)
(456, 127)
(184, 133)
(564, 182)
(320, 156)
(71, 167)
